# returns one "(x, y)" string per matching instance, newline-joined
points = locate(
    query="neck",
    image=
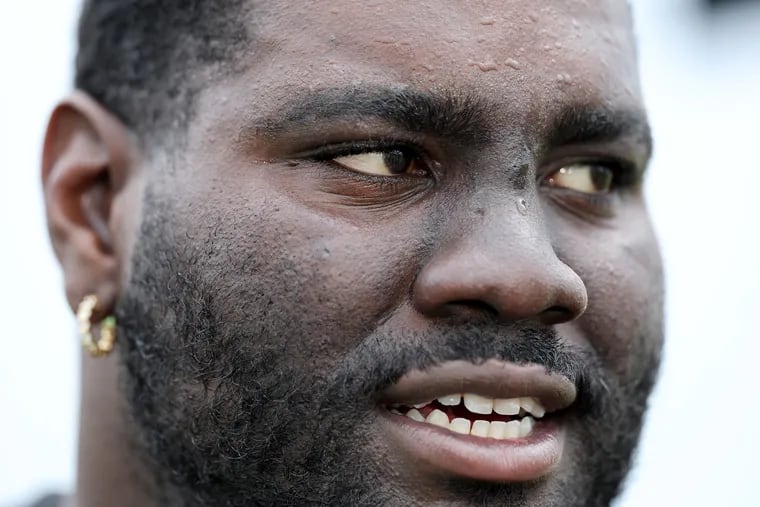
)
(109, 471)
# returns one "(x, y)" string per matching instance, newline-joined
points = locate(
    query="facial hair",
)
(229, 409)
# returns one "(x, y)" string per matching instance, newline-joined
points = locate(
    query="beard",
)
(235, 398)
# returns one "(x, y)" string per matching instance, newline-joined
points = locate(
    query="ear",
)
(89, 157)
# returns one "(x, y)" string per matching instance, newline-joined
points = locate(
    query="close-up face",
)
(398, 255)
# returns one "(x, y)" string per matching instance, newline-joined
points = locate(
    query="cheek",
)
(622, 271)
(316, 282)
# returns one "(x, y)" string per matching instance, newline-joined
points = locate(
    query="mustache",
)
(385, 356)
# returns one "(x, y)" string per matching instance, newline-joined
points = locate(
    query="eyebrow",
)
(458, 117)
(585, 124)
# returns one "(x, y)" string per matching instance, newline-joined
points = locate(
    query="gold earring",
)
(104, 345)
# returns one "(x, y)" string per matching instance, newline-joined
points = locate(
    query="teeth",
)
(526, 426)
(480, 428)
(478, 404)
(451, 400)
(507, 407)
(481, 405)
(415, 415)
(438, 418)
(460, 425)
(533, 406)
(512, 430)
(497, 430)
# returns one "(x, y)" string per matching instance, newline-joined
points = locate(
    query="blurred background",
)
(701, 72)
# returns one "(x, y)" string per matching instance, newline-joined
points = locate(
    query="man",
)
(358, 253)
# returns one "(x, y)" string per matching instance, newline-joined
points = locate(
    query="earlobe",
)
(86, 162)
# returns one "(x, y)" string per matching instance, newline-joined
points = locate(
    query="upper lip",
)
(492, 378)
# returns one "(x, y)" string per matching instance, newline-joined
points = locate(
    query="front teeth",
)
(438, 418)
(506, 430)
(507, 407)
(480, 428)
(460, 425)
(450, 401)
(481, 405)
(498, 430)
(476, 404)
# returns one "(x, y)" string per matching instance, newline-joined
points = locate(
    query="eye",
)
(585, 178)
(394, 162)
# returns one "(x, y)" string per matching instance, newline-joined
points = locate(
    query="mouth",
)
(476, 415)
(494, 421)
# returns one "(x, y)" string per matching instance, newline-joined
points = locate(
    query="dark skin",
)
(258, 234)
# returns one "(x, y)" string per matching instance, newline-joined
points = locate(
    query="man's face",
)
(393, 204)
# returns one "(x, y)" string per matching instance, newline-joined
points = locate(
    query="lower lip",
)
(487, 459)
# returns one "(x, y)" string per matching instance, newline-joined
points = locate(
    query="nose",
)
(513, 277)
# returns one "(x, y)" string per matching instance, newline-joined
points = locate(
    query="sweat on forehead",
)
(147, 62)
(350, 38)
(520, 66)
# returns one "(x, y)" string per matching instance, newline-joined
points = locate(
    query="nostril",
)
(555, 315)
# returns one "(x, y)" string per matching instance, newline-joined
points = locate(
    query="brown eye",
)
(585, 178)
(380, 163)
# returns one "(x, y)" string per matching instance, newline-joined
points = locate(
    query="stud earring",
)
(105, 342)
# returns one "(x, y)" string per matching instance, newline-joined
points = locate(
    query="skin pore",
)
(379, 188)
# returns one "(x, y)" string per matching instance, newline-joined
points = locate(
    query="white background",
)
(702, 83)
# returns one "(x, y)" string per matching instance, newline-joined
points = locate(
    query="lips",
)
(495, 421)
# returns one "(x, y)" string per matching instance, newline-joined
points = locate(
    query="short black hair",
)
(142, 59)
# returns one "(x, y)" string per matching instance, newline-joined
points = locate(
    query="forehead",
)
(528, 58)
